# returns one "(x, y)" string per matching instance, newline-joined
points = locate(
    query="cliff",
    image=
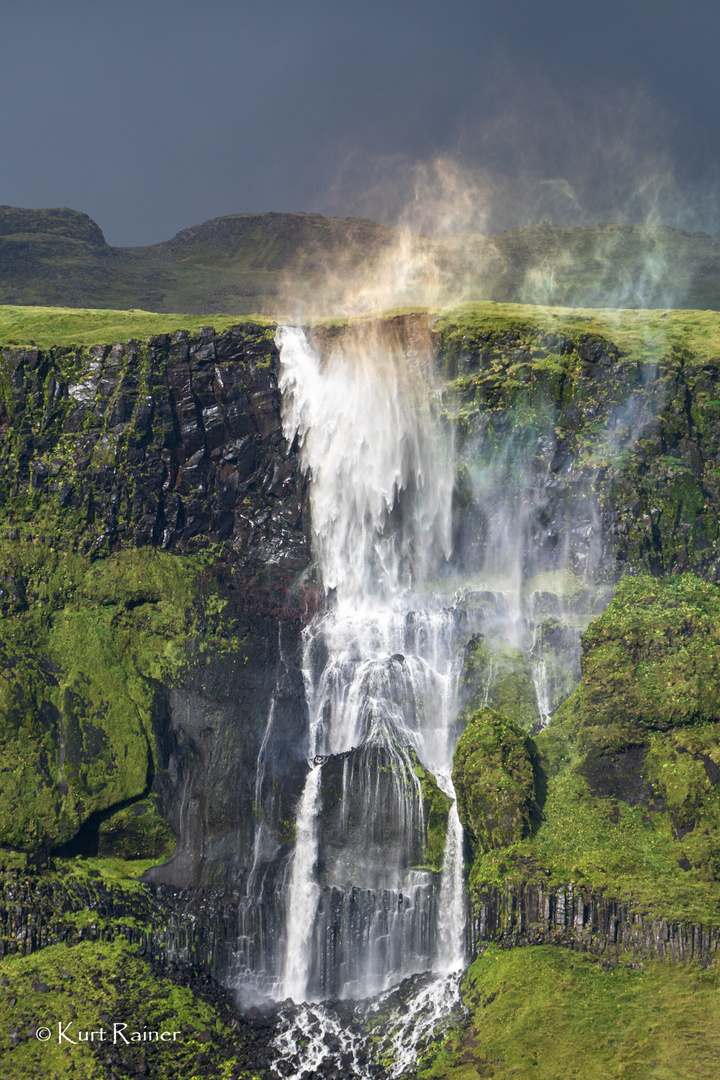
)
(153, 536)
(155, 577)
(277, 264)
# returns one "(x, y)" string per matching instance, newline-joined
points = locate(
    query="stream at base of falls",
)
(354, 932)
(379, 1039)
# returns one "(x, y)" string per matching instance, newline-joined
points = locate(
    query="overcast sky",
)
(155, 115)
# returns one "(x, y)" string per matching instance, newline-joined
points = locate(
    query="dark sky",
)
(155, 115)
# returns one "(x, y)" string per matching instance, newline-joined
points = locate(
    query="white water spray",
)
(381, 694)
(380, 464)
(303, 898)
(542, 691)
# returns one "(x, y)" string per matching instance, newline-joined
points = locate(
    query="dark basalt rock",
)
(621, 776)
(216, 722)
(176, 443)
(578, 917)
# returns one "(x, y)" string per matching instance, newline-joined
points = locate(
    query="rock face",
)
(150, 506)
(175, 443)
(578, 918)
(621, 445)
(494, 777)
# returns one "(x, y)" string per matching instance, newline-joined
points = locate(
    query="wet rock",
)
(494, 773)
(206, 430)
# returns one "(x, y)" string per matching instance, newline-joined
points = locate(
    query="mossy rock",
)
(398, 772)
(500, 675)
(633, 757)
(651, 662)
(136, 832)
(80, 987)
(494, 774)
(436, 808)
(81, 667)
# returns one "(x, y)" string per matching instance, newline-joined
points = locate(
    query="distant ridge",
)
(266, 263)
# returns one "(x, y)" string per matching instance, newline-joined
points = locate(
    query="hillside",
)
(277, 264)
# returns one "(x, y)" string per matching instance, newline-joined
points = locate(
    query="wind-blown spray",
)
(378, 665)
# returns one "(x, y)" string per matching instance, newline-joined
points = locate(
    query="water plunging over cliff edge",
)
(365, 909)
(364, 888)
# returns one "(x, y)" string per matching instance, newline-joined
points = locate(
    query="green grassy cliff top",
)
(637, 333)
(47, 326)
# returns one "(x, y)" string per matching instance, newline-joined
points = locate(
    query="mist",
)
(564, 114)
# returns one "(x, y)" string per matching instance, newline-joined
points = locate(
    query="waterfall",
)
(303, 898)
(380, 464)
(542, 691)
(451, 917)
(352, 897)
(363, 909)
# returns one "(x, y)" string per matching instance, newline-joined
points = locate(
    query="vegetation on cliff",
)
(626, 404)
(623, 404)
(548, 1012)
(436, 806)
(86, 649)
(120, 540)
(494, 780)
(88, 988)
(631, 806)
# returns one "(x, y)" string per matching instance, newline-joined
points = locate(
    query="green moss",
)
(651, 662)
(633, 760)
(638, 334)
(80, 684)
(494, 777)
(287, 831)
(90, 987)
(610, 846)
(630, 396)
(499, 676)
(436, 807)
(545, 1012)
(557, 743)
(136, 832)
(115, 870)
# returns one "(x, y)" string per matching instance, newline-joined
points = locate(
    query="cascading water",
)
(363, 909)
(366, 896)
(542, 691)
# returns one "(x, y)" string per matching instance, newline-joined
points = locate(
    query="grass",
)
(640, 334)
(48, 326)
(92, 986)
(546, 1013)
(646, 334)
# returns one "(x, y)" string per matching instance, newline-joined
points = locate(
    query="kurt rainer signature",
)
(118, 1033)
